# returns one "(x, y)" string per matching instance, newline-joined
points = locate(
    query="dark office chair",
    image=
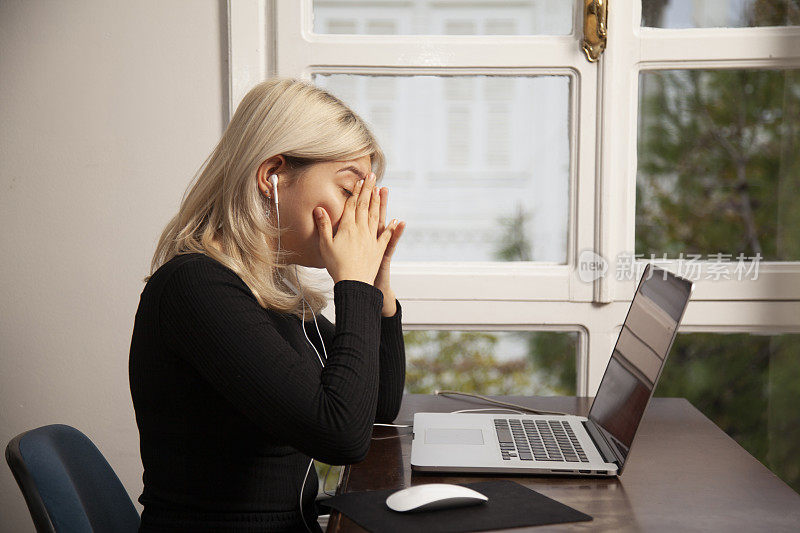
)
(68, 484)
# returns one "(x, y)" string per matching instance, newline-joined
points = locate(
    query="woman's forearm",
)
(392, 368)
(389, 303)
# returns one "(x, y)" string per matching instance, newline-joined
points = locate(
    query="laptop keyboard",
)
(543, 440)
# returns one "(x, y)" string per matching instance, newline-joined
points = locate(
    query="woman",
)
(234, 392)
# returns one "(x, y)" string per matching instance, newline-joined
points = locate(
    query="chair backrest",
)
(68, 484)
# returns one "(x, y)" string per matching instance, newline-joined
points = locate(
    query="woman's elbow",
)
(387, 417)
(357, 456)
(349, 450)
(387, 411)
(350, 457)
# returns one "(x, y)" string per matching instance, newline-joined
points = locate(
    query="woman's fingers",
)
(351, 204)
(355, 253)
(364, 199)
(383, 194)
(386, 236)
(374, 211)
(324, 226)
(396, 234)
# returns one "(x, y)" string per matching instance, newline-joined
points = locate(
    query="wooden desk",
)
(683, 474)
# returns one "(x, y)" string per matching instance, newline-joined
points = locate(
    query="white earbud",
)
(274, 180)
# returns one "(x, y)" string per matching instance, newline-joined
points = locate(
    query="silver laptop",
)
(572, 445)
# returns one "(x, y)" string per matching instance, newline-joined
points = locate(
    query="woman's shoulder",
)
(196, 285)
(192, 270)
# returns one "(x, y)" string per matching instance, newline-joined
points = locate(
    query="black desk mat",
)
(510, 505)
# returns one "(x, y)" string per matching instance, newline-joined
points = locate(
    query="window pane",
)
(718, 163)
(444, 17)
(719, 13)
(478, 166)
(749, 385)
(492, 362)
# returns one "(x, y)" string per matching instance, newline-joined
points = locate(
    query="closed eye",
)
(349, 194)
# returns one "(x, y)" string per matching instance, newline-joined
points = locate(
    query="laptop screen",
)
(639, 355)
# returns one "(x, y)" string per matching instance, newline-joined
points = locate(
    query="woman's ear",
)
(264, 185)
(273, 165)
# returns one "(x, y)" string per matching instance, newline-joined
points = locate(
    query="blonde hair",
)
(284, 116)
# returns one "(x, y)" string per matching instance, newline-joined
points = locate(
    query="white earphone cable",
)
(303, 516)
(299, 292)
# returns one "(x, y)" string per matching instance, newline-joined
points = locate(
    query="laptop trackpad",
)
(453, 436)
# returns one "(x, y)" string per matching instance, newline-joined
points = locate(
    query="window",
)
(719, 13)
(539, 363)
(536, 166)
(387, 17)
(734, 186)
(474, 181)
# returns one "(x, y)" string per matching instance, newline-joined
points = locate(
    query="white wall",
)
(106, 111)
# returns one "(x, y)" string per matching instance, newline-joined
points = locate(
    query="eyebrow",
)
(352, 169)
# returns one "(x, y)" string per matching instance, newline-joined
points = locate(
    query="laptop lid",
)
(638, 358)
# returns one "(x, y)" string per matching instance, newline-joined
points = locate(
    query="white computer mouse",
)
(433, 496)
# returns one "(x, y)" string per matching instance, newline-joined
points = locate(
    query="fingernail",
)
(360, 183)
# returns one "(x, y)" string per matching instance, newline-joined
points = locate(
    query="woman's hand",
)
(382, 279)
(358, 249)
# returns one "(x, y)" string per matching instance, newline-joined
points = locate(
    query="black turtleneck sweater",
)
(231, 401)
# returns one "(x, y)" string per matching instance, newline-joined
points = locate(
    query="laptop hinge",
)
(600, 441)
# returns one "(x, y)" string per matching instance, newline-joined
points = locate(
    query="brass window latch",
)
(595, 29)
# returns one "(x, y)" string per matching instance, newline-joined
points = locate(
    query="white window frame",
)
(275, 37)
